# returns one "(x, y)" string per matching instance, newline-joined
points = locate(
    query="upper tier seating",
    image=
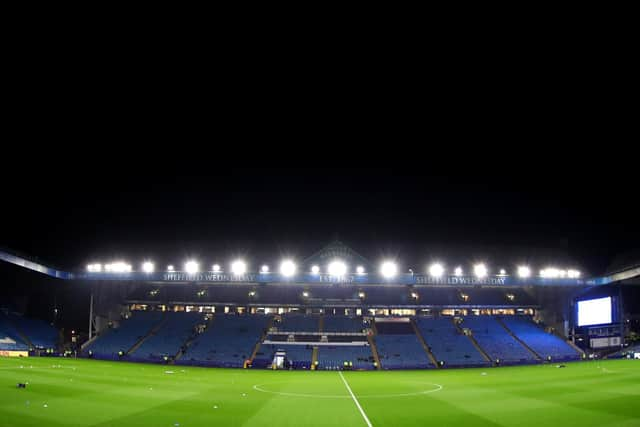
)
(496, 341)
(172, 335)
(294, 322)
(342, 324)
(545, 344)
(112, 341)
(447, 344)
(228, 342)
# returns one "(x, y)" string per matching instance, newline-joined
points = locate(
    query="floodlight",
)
(191, 267)
(170, 268)
(480, 270)
(388, 269)
(436, 270)
(360, 294)
(305, 294)
(264, 269)
(360, 269)
(238, 267)
(337, 268)
(524, 271)
(315, 269)
(287, 268)
(458, 271)
(148, 267)
(573, 274)
(216, 268)
(503, 272)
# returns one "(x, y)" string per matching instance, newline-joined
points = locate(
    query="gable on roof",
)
(337, 250)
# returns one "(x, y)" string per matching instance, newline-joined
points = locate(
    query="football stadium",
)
(328, 339)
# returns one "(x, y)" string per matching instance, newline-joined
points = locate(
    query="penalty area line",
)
(346, 384)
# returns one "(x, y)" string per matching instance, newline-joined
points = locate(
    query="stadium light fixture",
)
(360, 269)
(264, 269)
(337, 268)
(315, 269)
(305, 294)
(238, 267)
(458, 271)
(361, 295)
(524, 271)
(388, 269)
(216, 268)
(480, 270)
(287, 268)
(94, 268)
(191, 267)
(436, 270)
(503, 272)
(573, 274)
(170, 268)
(148, 267)
(118, 267)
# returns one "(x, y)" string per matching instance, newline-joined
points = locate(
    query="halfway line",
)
(355, 400)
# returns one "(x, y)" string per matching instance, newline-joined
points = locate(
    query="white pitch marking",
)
(366, 419)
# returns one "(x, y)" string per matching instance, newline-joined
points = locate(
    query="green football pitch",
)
(75, 392)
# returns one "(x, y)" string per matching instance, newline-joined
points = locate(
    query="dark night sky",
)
(263, 214)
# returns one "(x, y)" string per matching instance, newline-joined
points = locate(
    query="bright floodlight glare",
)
(191, 267)
(215, 268)
(503, 272)
(360, 269)
(148, 267)
(287, 268)
(480, 270)
(458, 271)
(305, 294)
(436, 270)
(337, 268)
(388, 269)
(524, 271)
(573, 274)
(360, 294)
(170, 268)
(238, 267)
(315, 269)
(265, 269)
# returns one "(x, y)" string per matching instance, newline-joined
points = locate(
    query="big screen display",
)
(594, 312)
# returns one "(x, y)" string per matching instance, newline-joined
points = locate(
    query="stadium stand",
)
(227, 342)
(22, 333)
(399, 348)
(168, 340)
(548, 346)
(10, 337)
(123, 338)
(496, 341)
(333, 357)
(447, 344)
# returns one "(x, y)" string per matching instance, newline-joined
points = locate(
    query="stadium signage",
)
(209, 277)
(458, 280)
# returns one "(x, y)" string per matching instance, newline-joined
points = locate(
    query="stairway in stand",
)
(474, 342)
(424, 344)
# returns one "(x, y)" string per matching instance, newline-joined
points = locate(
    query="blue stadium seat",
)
(447, 344)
